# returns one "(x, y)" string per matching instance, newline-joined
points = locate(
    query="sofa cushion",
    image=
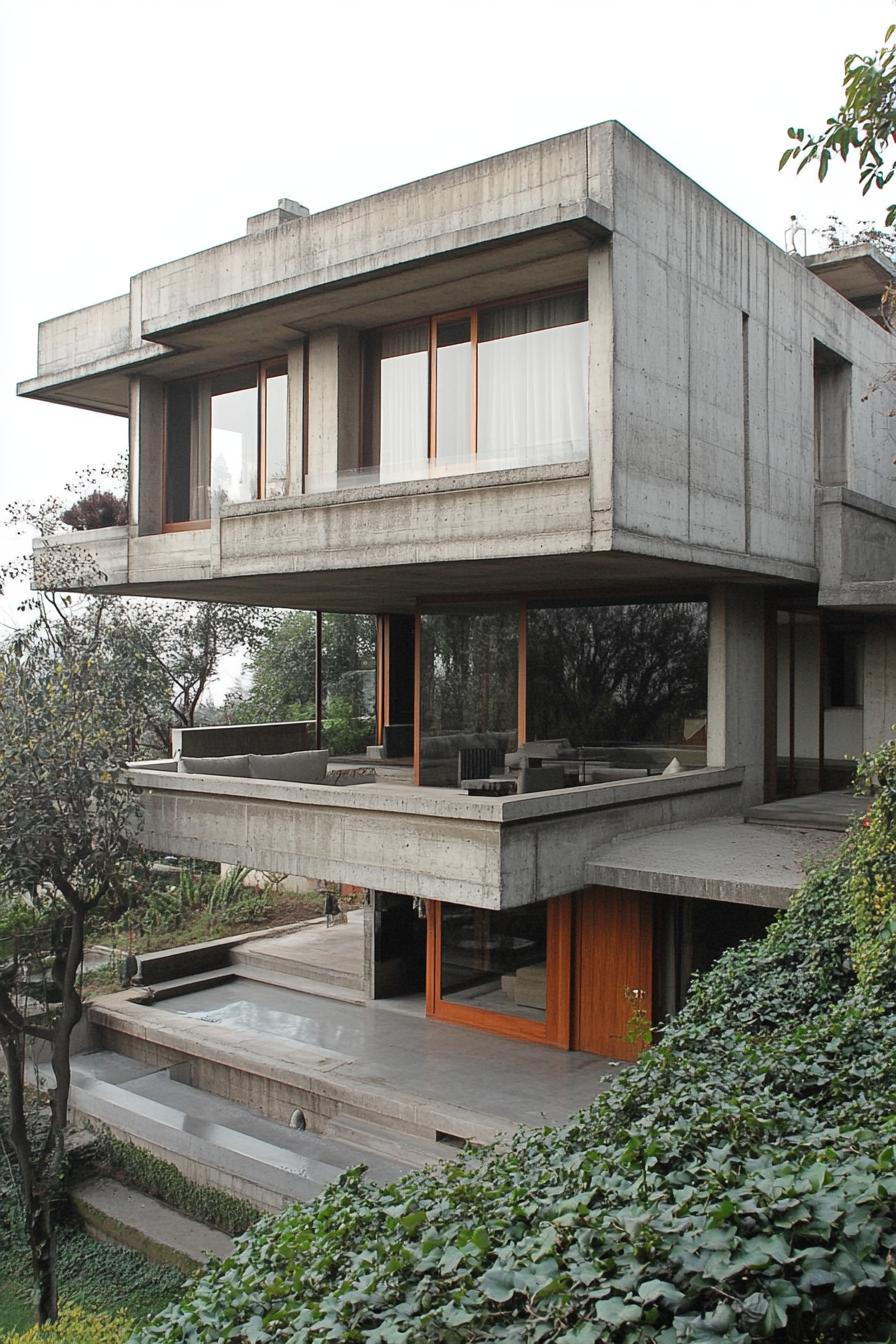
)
(214, 765)
(294, 767)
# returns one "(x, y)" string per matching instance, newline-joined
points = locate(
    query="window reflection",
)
(220, 432)
(234, 441)
(348, 676)
(623, 684)
(468, 689)
(495, 960)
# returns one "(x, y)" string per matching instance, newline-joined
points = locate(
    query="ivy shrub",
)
(738, 1183)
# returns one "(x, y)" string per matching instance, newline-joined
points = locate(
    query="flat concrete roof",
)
(724, 859)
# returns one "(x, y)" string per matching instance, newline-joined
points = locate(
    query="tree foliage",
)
(737, 1184)
(864, 126)
(68, 855)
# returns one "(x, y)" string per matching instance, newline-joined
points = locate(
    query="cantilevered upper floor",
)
(564, 366)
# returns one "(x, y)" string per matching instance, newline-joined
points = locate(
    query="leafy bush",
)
(739, 1183)
(101, 508)
(74, 1325)
(345, 731)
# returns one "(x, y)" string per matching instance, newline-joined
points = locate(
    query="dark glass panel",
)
(468, 687)
(628, 680)
(495, 960)
(178, 442)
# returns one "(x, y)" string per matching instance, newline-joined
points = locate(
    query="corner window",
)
(225, 435)
(484, 389)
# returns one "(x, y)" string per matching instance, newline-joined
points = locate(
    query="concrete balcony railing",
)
(439, 844)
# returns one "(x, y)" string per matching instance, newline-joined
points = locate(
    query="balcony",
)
(438, 844)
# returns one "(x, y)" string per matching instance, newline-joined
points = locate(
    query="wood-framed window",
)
(226, 434)
(503, 971)
(490, 387)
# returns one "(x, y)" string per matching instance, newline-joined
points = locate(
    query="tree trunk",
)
(40, 1172)
(42, 1242)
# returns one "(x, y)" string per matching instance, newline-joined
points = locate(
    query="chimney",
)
(284, 213)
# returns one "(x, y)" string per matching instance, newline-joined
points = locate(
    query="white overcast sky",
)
(135, 131)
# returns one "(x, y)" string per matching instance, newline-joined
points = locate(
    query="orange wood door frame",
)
(613, 973)
(555, 1030)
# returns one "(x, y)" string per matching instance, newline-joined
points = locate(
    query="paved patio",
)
(390, 1043)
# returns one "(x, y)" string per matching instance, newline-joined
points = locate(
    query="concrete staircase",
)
(219, 1143)
(315, 956)
(111, 1211)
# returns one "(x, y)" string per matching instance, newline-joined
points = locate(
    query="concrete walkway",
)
(722, 860)
(332, 956)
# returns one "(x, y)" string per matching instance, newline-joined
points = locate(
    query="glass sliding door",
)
(503, 971)
(819, 714)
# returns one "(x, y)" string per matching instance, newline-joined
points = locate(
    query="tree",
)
(179, 646)
(68, 856)
(283, 674)
(864, 125)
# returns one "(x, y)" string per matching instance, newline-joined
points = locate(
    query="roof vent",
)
(285, 212)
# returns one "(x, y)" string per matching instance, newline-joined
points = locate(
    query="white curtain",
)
(533, 390)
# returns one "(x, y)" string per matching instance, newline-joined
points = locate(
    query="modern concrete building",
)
(614, 475)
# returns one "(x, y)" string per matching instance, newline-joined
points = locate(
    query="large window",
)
(225, 435)
(484, 389)
(468, 690)
(624, 683)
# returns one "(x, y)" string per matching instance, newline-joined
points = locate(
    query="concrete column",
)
(879, 681)
(147, 436)
(295, 371)
(334, 409)
(736, 690)
(600, 384)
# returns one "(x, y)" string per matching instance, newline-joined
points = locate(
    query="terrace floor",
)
(390, 1042)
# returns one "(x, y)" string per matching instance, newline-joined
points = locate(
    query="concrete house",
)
(614, 476)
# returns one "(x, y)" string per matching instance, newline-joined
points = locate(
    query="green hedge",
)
(153, 1176)
(739, 1183)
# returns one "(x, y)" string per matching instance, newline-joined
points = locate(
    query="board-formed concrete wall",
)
(714, 408)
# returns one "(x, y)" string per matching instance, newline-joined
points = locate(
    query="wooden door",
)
(613, 970)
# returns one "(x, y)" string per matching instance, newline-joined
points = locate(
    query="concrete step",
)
(320, 988)
(266, 956)
(111, 1211)
(214, 1141)
(368, 1136)
(818, 811)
